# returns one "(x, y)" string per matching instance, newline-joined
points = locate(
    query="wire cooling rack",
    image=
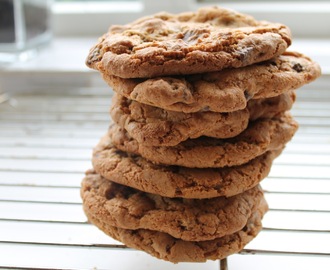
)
(46, 139)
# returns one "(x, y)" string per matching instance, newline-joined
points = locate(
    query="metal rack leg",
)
(223, 264)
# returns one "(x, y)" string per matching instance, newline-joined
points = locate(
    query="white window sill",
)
(62, 55)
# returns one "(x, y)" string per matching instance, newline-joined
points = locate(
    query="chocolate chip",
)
(297, 67)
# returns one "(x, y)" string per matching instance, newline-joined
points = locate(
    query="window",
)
(84, 17)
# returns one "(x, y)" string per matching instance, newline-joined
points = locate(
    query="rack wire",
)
(46, 139)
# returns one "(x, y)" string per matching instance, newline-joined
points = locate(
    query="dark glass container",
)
(24, 25)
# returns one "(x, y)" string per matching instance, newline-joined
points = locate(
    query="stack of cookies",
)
(200, 112)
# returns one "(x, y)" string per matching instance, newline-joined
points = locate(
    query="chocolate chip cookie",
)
(205, 152)
(225, 91)
(210, 39)
(176, 181)
(158, 127)
(166, 247)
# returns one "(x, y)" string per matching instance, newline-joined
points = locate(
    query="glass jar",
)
(24, 26)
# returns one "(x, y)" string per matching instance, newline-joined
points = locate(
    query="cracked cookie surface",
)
(166, 247)
(158, 127)
(204, 152)
(225, 91)
(187, 219)
(210, 39)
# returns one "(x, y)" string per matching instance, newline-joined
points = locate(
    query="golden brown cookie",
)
(225, 91)
(166, 247)
(210, 39)
(205, 152)
(175, 181)
(187, 219)
(158, 127)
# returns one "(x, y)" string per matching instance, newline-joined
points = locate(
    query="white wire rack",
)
(46, 139)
